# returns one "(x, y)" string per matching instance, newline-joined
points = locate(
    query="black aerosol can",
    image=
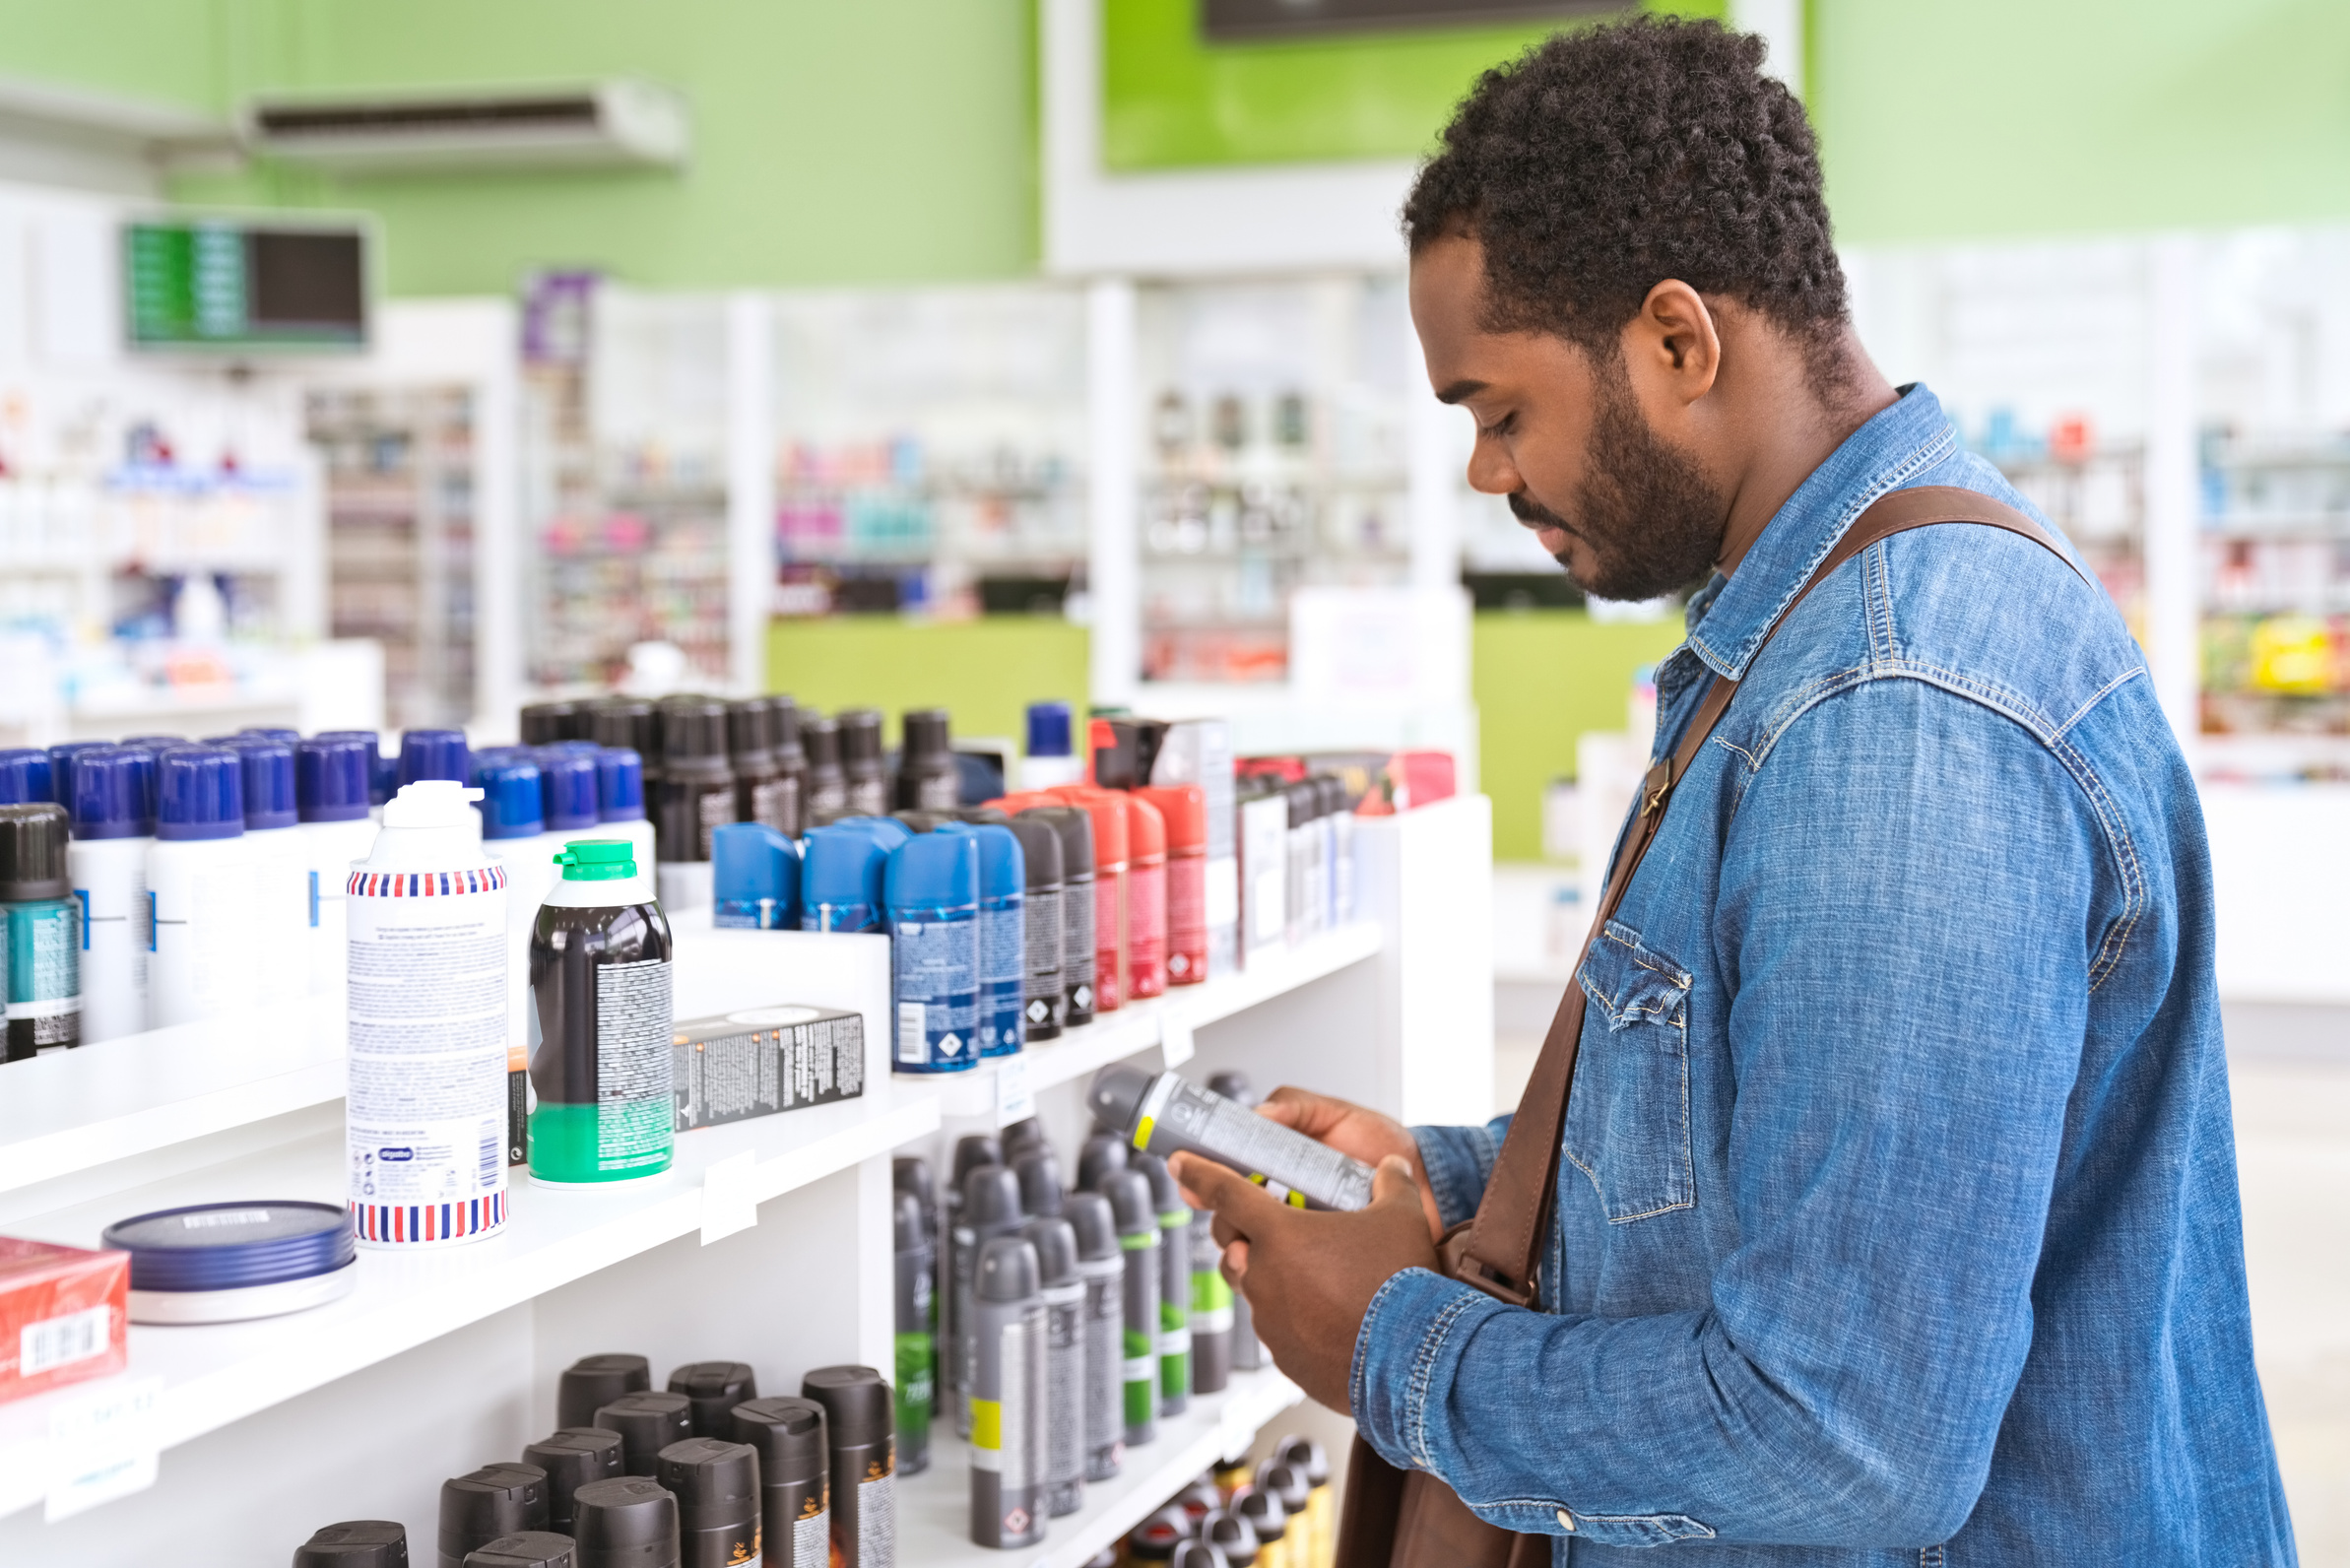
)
(863, 1464)
(716, 1485)
(795, 1508)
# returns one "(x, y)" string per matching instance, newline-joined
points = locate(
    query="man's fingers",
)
(1300, 1109)
(1394, 1182)
(1235, 1263)
(1234, 1198)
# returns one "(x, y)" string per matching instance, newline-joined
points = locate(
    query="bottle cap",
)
(991, 1199)
(511, 795)
(1131, 1201)
(1040, 852)
(1115, 1096)
(750, 730)
(572, 1456)
(1002, 868)
(270, 801)
(200, 793)
(783, 724)
(626, 724)
(1265, 1514)
(542, 722)
(597, 860)
(840, 880)
(1048, 728)
(693, 738)
(910, 1173)
(526, 1549)
(61, 767)
(1145, 832)
(427, 803)
(1075, 825)
(1234, 1086)
(924, 734)
(331, 780)
(1007, 1269)
(909, 1225)
(972, 1151)
(1306, 1457)
(355, 1544)
(383, 773)
(647, 1423)
(492, 1501)
(715, 1388)
(1155, 1539)
(1197, 1554)
(1231, 1533)
(1166, 1193)
(860, 735)
(1199, 1499)
(820, 737)
(114, 790)
(750, 861)
(1022, 1135)
(1095, 1226)
(1039, 1173)
(27, 776)
(1056, 1244)
(936, 870)
(789, 1434)
(715, 1480)
(591, 1382)
(1103, 1153)
(856, 1402)
(1286, 1482)
(1183, 809)
(434, 754)
(620, 785)
(631, 1523)
(567, 802)
(887, 831)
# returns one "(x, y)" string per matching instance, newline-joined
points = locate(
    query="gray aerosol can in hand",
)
(1101, 1267)
(1008, 1396)
(1064, 1288)
(1174, 1285)
(1129, 1193)
(1161, 1114)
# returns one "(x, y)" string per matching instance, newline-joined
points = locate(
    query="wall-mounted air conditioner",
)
(617, 123)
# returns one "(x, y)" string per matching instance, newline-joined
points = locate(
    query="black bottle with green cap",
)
(1174, 1285)
(598, 972)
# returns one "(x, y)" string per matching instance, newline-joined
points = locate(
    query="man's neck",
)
(1796, 433)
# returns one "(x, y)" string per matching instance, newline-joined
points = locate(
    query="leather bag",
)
(1394, 1518)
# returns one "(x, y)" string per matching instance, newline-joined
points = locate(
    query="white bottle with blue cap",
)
(114, 827)
(282, 859)
(1051, 759)
(619, 809)
(568, 803)
(512, 799)
(932, 889)
(203, 890)
(333, 789)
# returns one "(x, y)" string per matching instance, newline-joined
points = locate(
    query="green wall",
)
(1539, 679)
(986, 670)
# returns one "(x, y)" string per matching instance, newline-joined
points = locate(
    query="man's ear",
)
(1671, 346)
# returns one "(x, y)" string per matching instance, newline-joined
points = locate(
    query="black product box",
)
(765, 1060)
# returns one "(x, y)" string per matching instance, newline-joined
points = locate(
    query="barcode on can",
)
(493, 1155)
(53, 1343)
(913, 1019)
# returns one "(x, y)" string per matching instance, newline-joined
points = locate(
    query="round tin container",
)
(222, 1262)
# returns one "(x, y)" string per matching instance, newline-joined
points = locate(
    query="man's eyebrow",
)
(1460, 390)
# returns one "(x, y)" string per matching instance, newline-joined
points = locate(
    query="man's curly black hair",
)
(1606, 160)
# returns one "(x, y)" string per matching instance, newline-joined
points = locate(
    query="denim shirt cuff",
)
(1456, 1161)
(1401, 1366)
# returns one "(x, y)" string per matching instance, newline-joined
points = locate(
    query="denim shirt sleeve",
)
(1910, 893)
(1456, 1160)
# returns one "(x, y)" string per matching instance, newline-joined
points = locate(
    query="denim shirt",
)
(1896, 1218)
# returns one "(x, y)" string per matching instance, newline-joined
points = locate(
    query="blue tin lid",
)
(232, 1246)
(270, 799)
(199, 792)
(510, 794)
(114, 793)
(332, 777)
(61, 766)
(840, 880)
(934, 871)
(268, 733)
(889, 830)
(434, 754)
(27, 776)
(1048, 728)
(566, 786)
(750, 861)
(1003, 864)
(620, 785)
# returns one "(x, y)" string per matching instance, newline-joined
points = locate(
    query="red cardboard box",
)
(64, 1314)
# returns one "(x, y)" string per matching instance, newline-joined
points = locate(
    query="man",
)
(1896, 1216)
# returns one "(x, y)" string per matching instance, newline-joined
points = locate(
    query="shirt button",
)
(1566, 1522)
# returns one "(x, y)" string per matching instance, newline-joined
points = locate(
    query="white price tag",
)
(728, 1201)
(1174, 1041)
(1014, 1102)
(102, 1446)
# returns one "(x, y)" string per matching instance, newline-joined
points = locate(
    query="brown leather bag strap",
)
(1500, 1251)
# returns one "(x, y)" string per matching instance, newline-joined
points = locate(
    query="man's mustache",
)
(1533, 514)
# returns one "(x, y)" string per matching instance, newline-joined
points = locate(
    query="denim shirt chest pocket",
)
(1627, 1125)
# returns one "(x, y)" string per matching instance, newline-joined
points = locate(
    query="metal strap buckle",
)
(1655, 787)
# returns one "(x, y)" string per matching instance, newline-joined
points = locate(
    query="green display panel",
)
(225, 288)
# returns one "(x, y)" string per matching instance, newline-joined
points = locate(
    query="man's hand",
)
(1308, 1275)
(1364, 1135)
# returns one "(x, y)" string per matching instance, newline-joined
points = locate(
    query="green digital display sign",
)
(221, 286)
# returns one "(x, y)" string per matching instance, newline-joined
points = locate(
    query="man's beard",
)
(1645, 513)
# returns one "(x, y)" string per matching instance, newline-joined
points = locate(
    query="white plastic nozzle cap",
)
(431, 802)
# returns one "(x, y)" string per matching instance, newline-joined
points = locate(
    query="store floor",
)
(2289, 1070)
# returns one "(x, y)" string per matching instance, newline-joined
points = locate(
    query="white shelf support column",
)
(749, 487)
(1114, 578)
(2173, 594)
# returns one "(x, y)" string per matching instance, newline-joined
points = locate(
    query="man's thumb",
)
(1393, 1183)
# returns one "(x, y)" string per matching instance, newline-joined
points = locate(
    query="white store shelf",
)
(1155, 1022)
(217, 1374)
(933, 1509)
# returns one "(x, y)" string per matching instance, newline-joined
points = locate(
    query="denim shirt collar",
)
(1729, 617)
